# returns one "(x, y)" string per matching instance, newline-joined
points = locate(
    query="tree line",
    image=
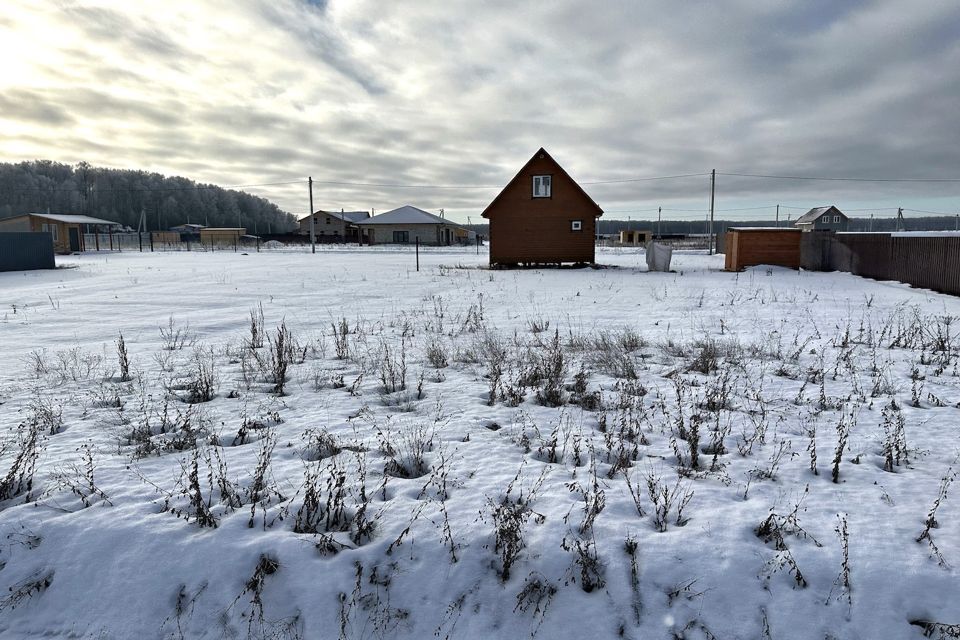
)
(123, 195)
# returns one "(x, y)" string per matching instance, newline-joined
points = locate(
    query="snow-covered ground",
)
(260, 514)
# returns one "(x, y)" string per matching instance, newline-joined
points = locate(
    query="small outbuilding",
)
(66, 229)
(222, 236)
(635, 237)
(542, 216)
(750, 246)
(823, 219)
(407, 225)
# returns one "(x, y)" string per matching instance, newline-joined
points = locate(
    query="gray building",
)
(333, 224)
(822, 219)
(408, 224)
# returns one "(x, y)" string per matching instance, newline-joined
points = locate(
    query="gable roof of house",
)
(812, 215)
(71, 218)
(407, 214)
(350, 216)
(563, 172)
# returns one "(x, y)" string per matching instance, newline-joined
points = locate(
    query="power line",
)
(757, 175)
(395, 185)
(936, 213)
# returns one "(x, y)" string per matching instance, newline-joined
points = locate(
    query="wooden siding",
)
(750, 247)
(529, 230)
(36, 224)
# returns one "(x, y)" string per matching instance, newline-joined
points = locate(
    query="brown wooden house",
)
(65, 229)
(542, 217)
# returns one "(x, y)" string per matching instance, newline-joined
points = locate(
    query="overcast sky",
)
(463, 93)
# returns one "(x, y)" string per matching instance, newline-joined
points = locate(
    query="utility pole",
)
(659, 231)
(343, 220)
(956, 224)
(313, 239)
(778, 215)
(900, 225)
(871, 223)
(713, 184)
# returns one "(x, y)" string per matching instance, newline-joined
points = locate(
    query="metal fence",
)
(162, 241)
(26, 250)
(931, 261)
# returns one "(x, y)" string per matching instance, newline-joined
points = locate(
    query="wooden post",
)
(151, 241)
(713, 185)
(140, 239)
(778, 215)
(96, 237)
(659, 230)
(110, 235)
(313, 239)
(418, 253)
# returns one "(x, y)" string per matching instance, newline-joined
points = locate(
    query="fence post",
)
(418, 253)
(151, 242)
(258, 244)
(140, 240)
(96, 238)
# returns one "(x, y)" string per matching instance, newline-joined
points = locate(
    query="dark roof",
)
(562, 171)
(350, 216)
(813, 214)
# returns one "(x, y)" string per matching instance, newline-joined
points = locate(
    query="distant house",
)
(822, 219)
(333, 224)
(635, 237)
(66, 229)
(408, 224)
(191, 229)
(542, 216)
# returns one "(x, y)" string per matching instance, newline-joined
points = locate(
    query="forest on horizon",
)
(122, 195)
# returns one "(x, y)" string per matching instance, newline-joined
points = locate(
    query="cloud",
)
(456, 93)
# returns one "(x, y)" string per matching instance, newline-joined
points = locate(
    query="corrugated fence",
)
(25, 250)
(928, 261)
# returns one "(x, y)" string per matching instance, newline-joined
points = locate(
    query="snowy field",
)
(337, 446)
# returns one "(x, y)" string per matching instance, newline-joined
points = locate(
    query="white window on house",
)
(576, 225)
(51, 229)
(541, 186)
(836, 219)
(825, 219)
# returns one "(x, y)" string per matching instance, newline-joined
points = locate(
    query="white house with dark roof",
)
(822, 219)
(408, 224)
